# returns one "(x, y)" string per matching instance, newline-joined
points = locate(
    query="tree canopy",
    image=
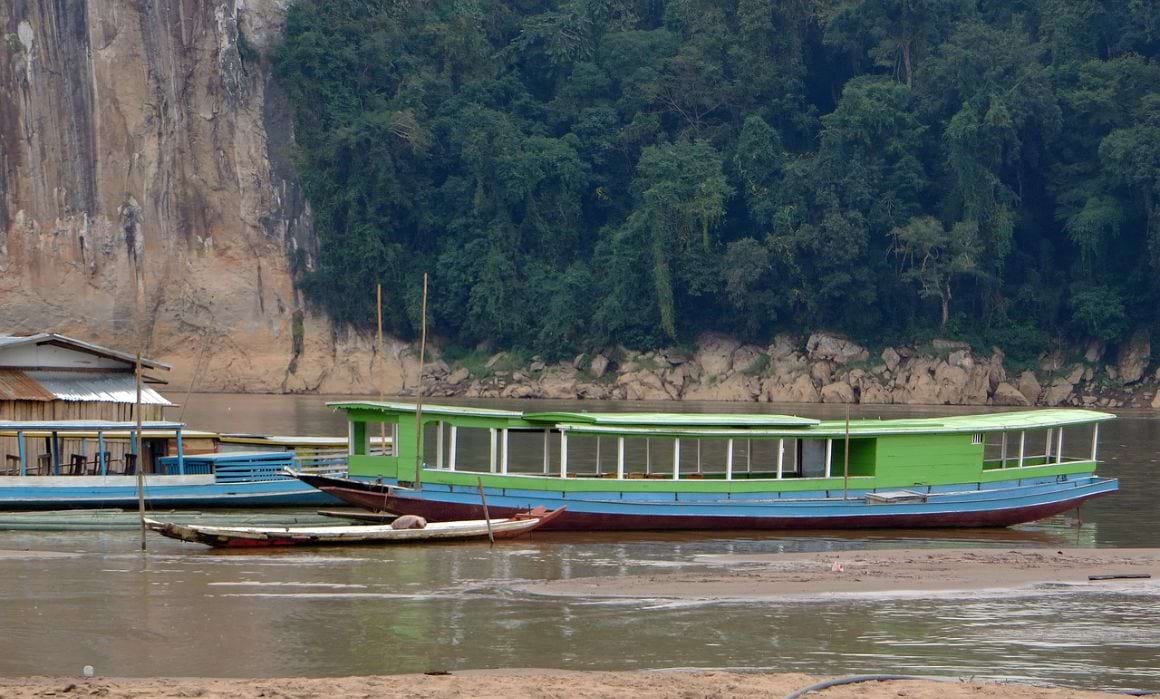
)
(578, 173)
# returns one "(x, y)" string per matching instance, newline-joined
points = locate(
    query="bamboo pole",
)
(139, 316)
(486, 516)
(418, 483)
(137, 449)
(846, 464)
(378, 374)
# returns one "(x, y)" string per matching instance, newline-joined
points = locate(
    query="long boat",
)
(101, 470)
(252, 537)
(649, 471)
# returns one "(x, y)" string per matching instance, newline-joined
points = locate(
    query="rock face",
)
(1134, 357)
(154, 132)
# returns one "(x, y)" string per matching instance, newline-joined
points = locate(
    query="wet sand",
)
(914, 572)
(511, 684)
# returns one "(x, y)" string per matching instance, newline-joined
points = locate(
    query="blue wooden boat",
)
(93, 479)
(688, 471)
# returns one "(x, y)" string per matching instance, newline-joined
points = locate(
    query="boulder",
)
(961, 358)
(875, 394)
(1029, 387)
(891, 358)
(737, 387)
(1134, 357)
(715, 353)
(1058, 393)
(643, 385)
(838, 392)
(1006, 394)
(801, 390)
(458, 376)
(1076, 373)
(820, 372)
(949, 345)
(496, 359)
(823, 346)
(558, 382)
(598, 366)
(745, 357)
(783, 346)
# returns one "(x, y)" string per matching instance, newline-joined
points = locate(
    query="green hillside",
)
(575, 173)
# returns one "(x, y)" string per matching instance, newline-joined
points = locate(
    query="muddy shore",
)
(915, 572)
(510, 684)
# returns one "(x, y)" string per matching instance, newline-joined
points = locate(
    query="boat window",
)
(812, 453)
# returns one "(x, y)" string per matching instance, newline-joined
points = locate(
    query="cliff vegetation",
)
(589, 173)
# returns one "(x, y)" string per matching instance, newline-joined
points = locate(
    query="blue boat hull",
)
(61, 495)
(968, 505)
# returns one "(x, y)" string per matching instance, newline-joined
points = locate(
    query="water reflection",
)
(180, 610)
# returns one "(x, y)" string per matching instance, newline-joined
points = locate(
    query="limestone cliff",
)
(154, 130)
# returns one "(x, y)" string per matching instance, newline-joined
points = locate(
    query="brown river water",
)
(70, 599)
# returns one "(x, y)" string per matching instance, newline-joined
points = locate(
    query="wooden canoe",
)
(248, 537)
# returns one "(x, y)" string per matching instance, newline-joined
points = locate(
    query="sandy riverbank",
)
(510, 684)
(917, 571)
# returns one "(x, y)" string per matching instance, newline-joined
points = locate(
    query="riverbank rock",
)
(1134, 357)
(1008, 395)
(832, 348)
(1030, 388)
(838, 392)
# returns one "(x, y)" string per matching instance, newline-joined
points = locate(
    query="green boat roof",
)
(751, 425)
(444, 410)
(736, 420)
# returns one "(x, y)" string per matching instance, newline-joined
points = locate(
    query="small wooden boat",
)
(117, 519)
(249, 537)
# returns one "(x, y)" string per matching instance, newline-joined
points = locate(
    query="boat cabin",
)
(98, 448)
(712, 452)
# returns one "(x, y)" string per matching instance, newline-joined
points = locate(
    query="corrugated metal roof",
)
(83, 425)
(103, 388)
(15, 385)
(9, 340)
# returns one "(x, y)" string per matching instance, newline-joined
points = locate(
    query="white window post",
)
(1095, 439)
(563, 453)
(438, 445)
(547, 450)
(1047, 451)
(494, 446)
(647, 456)
(1022, 444)
(1003, 452)
(780, 456)
(1059, 446)
(599, 470)
(451, 455)
(676, 458)
(829, 455)
(729, 460)
(503, 465)
(620, 458)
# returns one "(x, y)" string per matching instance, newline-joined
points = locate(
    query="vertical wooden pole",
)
(140, 456)
(846, 461)
(22, 449)
(486, 514)
(419, 392)
(382, 365)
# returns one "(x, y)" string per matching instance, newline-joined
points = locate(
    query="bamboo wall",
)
(68, 410)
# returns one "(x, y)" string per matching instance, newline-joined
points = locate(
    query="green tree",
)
(933, 257)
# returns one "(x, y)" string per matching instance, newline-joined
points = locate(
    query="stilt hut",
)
(46, 376)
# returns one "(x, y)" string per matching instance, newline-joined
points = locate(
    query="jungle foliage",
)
(576, 173)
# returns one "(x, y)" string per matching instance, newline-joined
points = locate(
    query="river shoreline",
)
(898, 572)
(509, 684)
